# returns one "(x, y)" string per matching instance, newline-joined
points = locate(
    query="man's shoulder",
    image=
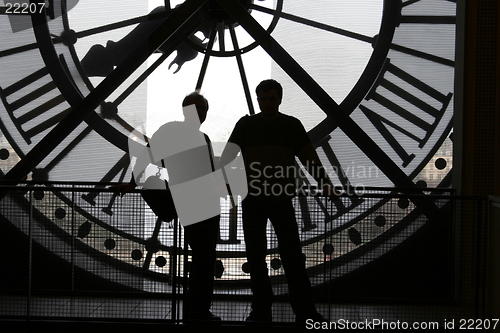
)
(287, 117)
(257, 118)
(290, 121)
(248, 117)
(246, 120)
(169, 126)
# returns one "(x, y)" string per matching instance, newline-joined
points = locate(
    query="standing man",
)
(187, 154)
(269, 142)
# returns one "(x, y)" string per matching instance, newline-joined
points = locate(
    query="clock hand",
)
(84, 33)
(109, 109)
(327, 104)
(100, 60)
(87, 33)
(179, 20)
(184, 54)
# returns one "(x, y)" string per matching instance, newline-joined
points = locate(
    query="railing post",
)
(73, 238)
(184, 277)
(30, 246)
(174, 272)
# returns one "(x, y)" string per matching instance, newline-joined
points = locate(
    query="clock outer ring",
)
(73, 96)
(381, 49)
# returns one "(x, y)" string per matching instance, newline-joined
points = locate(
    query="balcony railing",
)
(73, 250)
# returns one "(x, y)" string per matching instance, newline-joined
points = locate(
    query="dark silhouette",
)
(186, 154)
(100, 60)
(269, 142)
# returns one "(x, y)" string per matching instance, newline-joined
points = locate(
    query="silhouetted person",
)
(269, 142)
(187, 154)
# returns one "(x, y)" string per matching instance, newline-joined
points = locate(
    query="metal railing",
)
(69, 250)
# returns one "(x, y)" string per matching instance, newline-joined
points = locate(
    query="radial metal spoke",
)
(221, 32)
(141, 79)
(241, 68)
(121, 24)
(364, 38)
(206, 59)
(315, 24)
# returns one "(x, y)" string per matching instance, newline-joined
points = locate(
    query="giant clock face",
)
(372, 81)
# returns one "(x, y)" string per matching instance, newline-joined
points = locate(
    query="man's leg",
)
(202, 238)
(254, 227)
(299, 286)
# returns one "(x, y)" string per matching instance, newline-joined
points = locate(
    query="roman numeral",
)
(426, 19)
(342, 205)
(349, 202)
(305, 211)
(48, 112)
(420, 115)
(414, 15)
(411, 2)
(18, 49)
(120, 167)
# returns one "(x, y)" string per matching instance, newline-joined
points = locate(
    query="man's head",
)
(200, 102)
(270, 84)
(269, 96)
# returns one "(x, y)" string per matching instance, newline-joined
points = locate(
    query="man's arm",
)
(140, 166)
(237, 138)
